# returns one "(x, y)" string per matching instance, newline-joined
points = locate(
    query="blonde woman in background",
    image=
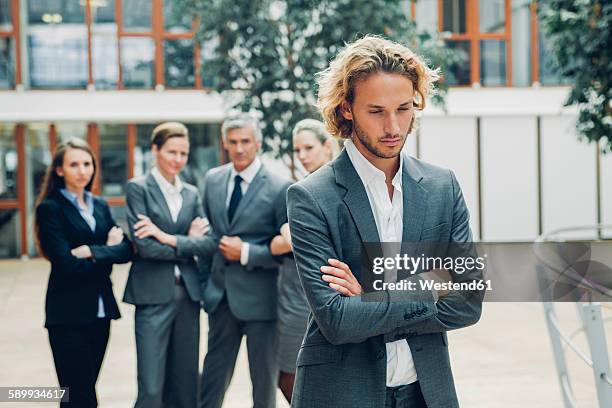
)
(314, 148)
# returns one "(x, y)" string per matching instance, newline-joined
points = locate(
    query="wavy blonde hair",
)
(358, 60)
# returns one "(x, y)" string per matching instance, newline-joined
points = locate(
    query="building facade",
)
(109, 70)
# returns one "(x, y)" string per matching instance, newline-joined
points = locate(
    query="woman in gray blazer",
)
(314, 148)
(165, 288)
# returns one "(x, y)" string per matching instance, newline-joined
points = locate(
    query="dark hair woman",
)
(165, 287)
(76, 232)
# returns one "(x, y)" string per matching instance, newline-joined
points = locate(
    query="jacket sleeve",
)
(148, 248)
(343, 319)
(204, 246)
(111, 254)
(56, 246)
(259, 254)
(458, 309)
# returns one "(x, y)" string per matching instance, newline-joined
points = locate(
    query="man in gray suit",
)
(391, 352)
(246, 207)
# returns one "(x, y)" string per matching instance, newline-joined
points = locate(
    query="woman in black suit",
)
(78, 235)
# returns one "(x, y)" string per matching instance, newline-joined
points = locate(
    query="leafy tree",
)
(581, 36)
(265, 53)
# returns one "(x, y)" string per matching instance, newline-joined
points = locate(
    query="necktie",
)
(235, 199)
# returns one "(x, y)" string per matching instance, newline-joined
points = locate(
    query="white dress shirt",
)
(388, 215)
(247, 175)
(173, 197)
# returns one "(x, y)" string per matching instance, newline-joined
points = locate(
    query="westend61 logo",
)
(410, 264)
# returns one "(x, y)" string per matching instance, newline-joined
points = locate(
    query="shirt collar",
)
(165, 184)
(249, 173)
(367, 171)
(73, 198)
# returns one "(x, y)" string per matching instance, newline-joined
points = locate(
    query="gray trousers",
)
(224, 337)
(167, 350)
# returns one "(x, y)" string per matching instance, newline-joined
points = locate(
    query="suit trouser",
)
(224, 337)
(167, 350)
(78, 351)
(405, 396)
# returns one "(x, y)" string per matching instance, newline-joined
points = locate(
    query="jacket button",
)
(380, 355)
(226, 263)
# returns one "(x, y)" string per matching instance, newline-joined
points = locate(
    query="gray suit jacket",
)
(151, 279)
(251, 289)
(342, 361)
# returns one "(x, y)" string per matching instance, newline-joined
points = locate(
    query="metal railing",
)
(592, 324)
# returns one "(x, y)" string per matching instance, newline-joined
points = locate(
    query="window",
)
(8, 162)
(57, 44)
(157, 46)
(104, 50)
(113, 159)
(9, 33)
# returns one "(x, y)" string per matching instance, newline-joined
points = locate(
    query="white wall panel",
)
(568, 176)
(451, 142)
(509, 178)
(606, 191)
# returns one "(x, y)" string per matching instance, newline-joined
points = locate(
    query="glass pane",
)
(38, 157)
(5, 16)
(521, 43)
(549, 72)
(459, 71)
(492, 16)
(207, 52)
(68, 130)
(175, 20)
(204, 141)
(56, 11)
(427, 15)
(137, 15)
(9, 233)
(143, 158)
(104, 53)
(113, 159)
(178, 63)
(7, 63)
(137, 67)
(8, 162)
(57, 44)
(493, 62)
(453, 12)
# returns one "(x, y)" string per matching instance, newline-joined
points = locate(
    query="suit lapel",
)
(158, 196)
(74, 215)
(254, 187)
(219, 189)
(356, 198)
(415, 201)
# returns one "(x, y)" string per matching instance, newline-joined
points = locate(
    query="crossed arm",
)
(341, 314)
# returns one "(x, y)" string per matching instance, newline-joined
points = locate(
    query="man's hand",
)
(115, 236)
(230, 248)
(340, 278)
(82, 251)
(199, 226)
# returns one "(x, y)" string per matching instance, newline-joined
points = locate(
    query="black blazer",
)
(75, 284)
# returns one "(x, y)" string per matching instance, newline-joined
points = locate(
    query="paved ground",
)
(503, 361)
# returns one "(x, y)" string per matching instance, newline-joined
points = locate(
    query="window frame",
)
(15, 34)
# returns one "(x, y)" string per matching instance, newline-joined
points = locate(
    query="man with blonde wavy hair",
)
(391, 352)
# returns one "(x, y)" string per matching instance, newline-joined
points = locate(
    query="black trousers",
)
(78, 351)
(405, 396)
